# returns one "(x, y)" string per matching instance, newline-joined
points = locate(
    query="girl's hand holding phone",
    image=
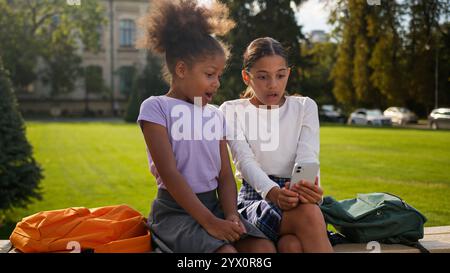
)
(308, 192)
(287, 199)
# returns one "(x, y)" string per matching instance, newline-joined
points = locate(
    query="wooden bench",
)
(436, 240)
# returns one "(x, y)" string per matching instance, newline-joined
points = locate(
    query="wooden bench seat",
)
(436, 240)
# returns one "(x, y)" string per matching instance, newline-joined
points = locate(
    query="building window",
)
(127, 33)
(126, 79)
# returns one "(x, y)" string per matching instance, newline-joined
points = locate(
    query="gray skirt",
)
(175, 231)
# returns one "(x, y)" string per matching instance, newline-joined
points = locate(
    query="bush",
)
(149, 83)
(19, 172)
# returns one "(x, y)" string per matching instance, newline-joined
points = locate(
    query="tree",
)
(444, 65)
(17, 48)
(380, 62)
(134, 102)
(149, 83)
(317, 83)
(153, 81)
(20, 174)
(422, 43)
(351, 74)
(342, 72)
(256, 19)
(94, 84)
(47, 30)
(368, 70)
(386, 59)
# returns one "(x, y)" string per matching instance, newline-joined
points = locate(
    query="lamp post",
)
(436, 77)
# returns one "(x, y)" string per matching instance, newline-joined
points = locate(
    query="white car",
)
(369, 117)
(330, 113)
(400, 115)
(439, 119)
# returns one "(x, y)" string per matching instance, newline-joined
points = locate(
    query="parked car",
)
(369, 117)
(331, 113)
(439, 119)
(400, 115)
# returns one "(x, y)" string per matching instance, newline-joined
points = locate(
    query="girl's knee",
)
(255, 245)
(289, 244)
(310, 213)
(264, 246)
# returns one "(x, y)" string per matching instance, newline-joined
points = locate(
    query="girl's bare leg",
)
(255, 245)
(307, 223)
(289, 243)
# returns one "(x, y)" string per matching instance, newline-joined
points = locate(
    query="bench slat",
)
(437, 230)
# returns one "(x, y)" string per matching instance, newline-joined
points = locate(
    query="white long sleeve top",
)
(270, 141)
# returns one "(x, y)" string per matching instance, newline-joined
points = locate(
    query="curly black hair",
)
(184, 30)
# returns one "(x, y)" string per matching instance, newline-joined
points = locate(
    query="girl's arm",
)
(243, 156)
(157, 141)
(227, 188)
(308, 145)
(227, 185)
(308, 151)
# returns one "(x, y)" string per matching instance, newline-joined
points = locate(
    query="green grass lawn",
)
(99, 164)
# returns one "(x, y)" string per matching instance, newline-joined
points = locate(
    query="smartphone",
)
(304, 171)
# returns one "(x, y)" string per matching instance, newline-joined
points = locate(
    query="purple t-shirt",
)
(194, 133)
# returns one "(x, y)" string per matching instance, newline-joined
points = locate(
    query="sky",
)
(312, 15)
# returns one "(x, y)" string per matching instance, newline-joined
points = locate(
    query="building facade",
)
(110, 70)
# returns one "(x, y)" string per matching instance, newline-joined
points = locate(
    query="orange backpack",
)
(111, 229)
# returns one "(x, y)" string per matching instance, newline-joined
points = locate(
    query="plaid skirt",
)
(264, 214)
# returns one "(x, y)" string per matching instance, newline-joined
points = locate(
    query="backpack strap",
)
(420, 247)
(401, 199)
(337, 238)
(417, 245)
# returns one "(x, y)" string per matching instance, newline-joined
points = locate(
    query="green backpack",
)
(380, 217)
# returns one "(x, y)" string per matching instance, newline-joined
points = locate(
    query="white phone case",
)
(304, 171)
